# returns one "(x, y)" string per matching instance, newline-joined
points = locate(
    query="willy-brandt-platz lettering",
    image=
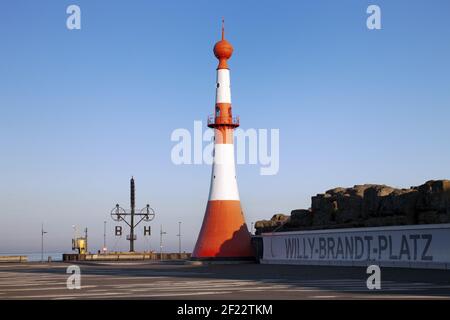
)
(414, 247)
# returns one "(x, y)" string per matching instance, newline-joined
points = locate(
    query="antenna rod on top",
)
(223, 28)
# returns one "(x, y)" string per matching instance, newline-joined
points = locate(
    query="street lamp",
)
(104, 237)
(179, 238)
(42, 242)
(161, 242)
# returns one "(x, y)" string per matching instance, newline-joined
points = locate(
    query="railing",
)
(214, 121)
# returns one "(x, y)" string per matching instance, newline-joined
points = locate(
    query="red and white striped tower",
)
(224, 234)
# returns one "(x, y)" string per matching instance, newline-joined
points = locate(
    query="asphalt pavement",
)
(150, 280)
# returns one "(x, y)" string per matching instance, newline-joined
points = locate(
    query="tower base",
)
(224, 235)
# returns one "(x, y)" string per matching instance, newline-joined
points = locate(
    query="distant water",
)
(56, 256)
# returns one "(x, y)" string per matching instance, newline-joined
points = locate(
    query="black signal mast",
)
(146, 214)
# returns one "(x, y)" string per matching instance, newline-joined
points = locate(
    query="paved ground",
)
(139, 280)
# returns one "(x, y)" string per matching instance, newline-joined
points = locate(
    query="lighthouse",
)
(224, 234)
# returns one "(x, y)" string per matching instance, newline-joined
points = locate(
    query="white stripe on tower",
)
(223, 91)
(223, 177)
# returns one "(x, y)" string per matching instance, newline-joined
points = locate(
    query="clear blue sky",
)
(82, 111)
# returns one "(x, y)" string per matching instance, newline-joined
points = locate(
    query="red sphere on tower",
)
(223, 50)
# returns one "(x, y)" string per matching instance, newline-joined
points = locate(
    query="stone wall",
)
(275, 222)
(368, 205)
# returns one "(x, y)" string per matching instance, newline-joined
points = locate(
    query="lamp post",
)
(42, 242)
(161, 233)
(104, 237)
(179, 238)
